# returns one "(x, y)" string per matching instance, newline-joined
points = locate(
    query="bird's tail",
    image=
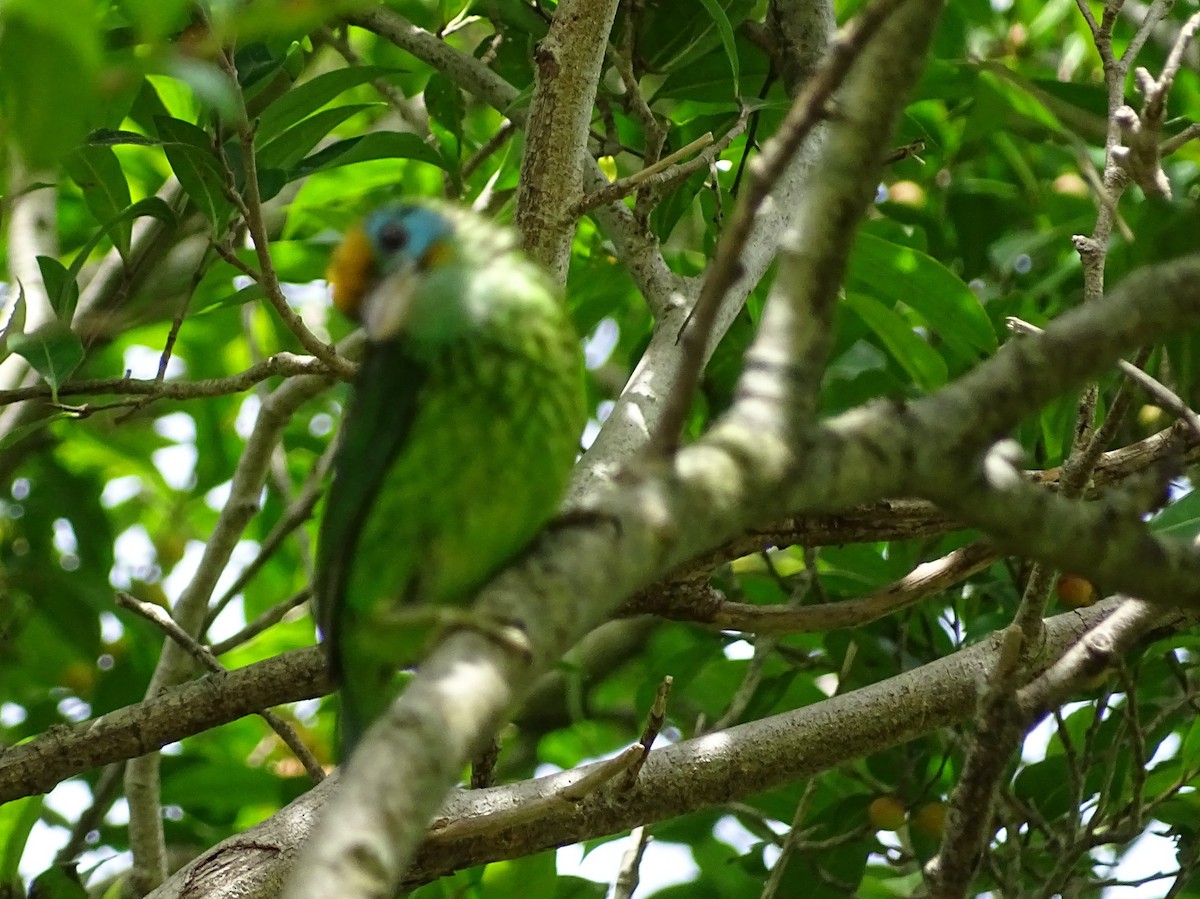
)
(365, 693)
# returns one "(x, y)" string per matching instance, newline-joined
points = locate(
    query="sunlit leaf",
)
(305, 99)
(949, 308)
(381, 145)
(907, 347)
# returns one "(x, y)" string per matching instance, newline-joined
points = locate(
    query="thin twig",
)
(395, 99)
(791, 844)
(267, 619)
(1086, 12)
(279, 365)
(1162, 394)
(622, 763)
(104, 794)
(803, 116)
(250, 203)
(501, 136)
(655, 719)
(628, 876)
(664, 172)
(161, 619)
(297, 512)
(1175, 141)
(483, 765)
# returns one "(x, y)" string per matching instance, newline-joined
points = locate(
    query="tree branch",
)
(676, 779)
(141, 774)
(568, 61)
(765, 172)
(178, 712)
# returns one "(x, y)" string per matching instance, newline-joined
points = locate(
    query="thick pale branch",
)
(568, 61)
(135, 729)
(684, 777)
(1098, 649)
(461, 68)
(831, 206)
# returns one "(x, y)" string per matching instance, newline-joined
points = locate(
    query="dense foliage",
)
(175, 175)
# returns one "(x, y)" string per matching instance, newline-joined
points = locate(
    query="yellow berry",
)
(79, 677)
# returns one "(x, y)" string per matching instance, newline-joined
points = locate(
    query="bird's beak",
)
(385, 308)
(380, 306)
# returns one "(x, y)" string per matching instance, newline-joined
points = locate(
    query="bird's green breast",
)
(483, 467)
(456, 445)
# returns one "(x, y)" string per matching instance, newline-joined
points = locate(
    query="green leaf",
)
(16, 435)
(60, 287)
(16, 821)
(921, 361)
(707, 79)
(57, 882)
(114, 137)
(290, 147)
(208, 83)
(155, 18)
(380, 145)
(16, 320)
(307, 98)
(674, 37)
(1047, 785)
(254, 62)
(1181, 519)
(894, 272)
(54, 351)
(725, 29)
(446, 106)
(47, 80)
(190, 154)
(247, 294)
(97, 171)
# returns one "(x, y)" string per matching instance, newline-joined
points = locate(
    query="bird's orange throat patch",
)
(439, 253)
(351, 269)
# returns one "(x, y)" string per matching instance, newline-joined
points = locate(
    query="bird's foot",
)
(582, 518)
(436, 621)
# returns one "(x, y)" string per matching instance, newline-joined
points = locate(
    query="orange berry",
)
(1075, 591)
(886, 813)
(930, 819)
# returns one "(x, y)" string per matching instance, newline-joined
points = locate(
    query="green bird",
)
(458, 438)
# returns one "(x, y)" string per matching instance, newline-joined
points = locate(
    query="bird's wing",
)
(374, 429)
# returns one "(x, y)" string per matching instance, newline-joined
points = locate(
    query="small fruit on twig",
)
(886, 813)
(1075, 591)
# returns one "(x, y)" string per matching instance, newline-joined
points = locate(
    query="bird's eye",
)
(392, 237)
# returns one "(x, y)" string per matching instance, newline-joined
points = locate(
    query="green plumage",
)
(457, 441)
